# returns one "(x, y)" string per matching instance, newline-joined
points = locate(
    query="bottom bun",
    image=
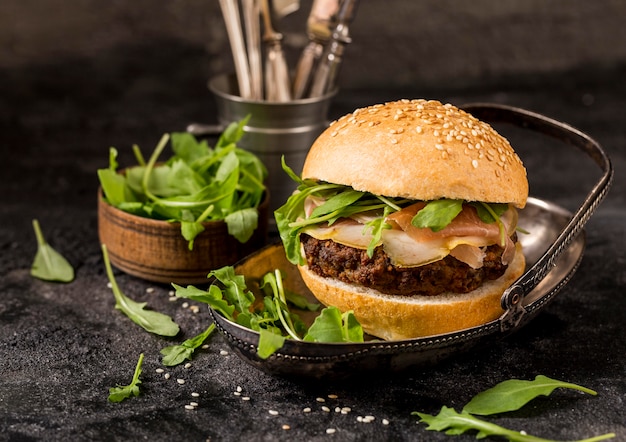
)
(392, 317)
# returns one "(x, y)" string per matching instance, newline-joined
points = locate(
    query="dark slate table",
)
(63, 345)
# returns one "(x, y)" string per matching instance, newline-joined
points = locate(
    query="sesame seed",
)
(394, 141)
(320, 399)
(167, 375)
(205, 346)
(159, 370)
(189, 407)
(439, 146)
(286, 427)
(223, 352)
(306, 410)
(150, 290)
(326, 409)
(330, 431)
(188, 365)
(418, 129)
(180, 381)
(346, 410)
(332, 396)
(185, 305)
(193, 404)
(172, 298)
(237, 393)
(194, 309)
(337, 409)
(109, 285)
(194, 394)
(273, 412)
(385, 422)
(475, 164)
(334, 133)
(245, 398)
(171, 293)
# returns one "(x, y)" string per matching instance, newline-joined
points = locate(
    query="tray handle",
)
(512, 298)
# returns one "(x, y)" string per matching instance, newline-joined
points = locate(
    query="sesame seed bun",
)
(418, 149)
(392, 317)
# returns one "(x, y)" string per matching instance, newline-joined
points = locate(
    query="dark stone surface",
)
(63, 345)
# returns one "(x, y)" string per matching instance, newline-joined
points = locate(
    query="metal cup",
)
(275, 129)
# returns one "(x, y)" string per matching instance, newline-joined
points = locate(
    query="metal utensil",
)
(251, 13)
(320, 25)
(230, 12)
(276, 71)
(325, 78)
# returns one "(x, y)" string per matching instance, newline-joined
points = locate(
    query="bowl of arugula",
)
(175, 221)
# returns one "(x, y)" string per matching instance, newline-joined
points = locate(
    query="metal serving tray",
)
(553, 251)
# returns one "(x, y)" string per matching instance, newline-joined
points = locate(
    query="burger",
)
(406, 214)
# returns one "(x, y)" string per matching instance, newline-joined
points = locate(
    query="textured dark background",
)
(79, 76)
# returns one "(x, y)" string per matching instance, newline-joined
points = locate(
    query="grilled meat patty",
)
(348, 264)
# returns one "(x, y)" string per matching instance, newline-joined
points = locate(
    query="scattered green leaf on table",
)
(121, 392)
(176, 354)
(507, 396)
(513, 394)
(150, 320)
(49, 264)
(454, 424)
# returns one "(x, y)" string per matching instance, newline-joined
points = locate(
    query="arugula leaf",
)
(337, 202)
(506, 396)
(273, 319)
(269, 343)
(513, 394)
(195, 185)
(436, 215)
(176, 354)
(333, 326)
(235, 291)
(212, 297)
(454, 423)
(242, 223)
(121, 392)
(490, 212)
(377, 226)
(49, 264)
(149, 320)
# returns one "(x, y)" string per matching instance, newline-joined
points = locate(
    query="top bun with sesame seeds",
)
(418, 149)
(406, 215)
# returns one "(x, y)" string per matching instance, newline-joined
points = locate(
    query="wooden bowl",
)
(156, 250)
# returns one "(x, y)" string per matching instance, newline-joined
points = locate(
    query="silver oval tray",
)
(553, 249)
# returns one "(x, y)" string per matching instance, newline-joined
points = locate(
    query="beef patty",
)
(330, 259)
